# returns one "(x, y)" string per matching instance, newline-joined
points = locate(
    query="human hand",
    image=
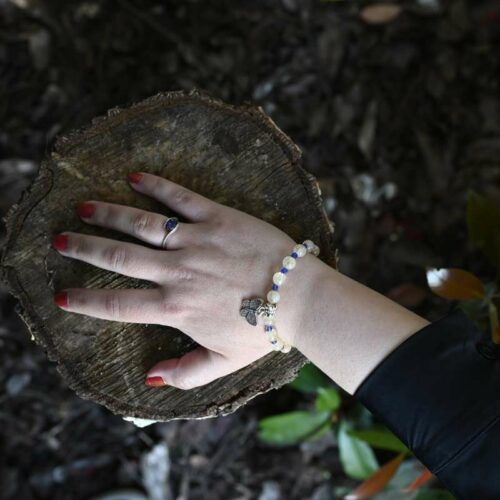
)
(211, 263)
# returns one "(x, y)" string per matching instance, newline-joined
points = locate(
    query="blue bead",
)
(274, 342)
(283, 270)
(275, 286)
(295, 255)
(269, 328)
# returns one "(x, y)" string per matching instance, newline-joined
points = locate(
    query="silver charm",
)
(251, 308)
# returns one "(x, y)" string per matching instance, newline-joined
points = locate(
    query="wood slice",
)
(234, 155)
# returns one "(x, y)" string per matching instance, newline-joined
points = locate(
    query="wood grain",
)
(233, 155)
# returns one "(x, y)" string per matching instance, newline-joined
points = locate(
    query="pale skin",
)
(212, 262)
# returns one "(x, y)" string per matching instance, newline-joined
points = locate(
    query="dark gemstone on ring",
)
(171, 223)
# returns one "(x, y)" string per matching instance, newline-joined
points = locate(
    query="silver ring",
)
(170, 225)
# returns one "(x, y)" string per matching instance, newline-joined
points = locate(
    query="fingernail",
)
(86, 210)
(155, 382)
(61, 299)
(60, 242)
(135, 177)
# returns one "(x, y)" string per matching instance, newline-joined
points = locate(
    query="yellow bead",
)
(279, 278)
(269, 320)
(286, 348)
(300, 250)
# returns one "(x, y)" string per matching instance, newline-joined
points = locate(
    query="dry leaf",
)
(455, 284)
(382, 13)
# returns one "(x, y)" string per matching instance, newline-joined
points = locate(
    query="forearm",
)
(348, 328)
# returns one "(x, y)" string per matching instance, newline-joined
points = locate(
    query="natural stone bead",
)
(289, 262)
(278, 346)
(286, 348)
(309, 244)
(269, 320)
(278, 278)
(315, 251)
(300, 250)
(272, 335)
(273, 296)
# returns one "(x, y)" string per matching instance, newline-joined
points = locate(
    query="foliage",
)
(358, 436)
(478, 299)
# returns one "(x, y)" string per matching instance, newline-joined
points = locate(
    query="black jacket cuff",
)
(439, 392)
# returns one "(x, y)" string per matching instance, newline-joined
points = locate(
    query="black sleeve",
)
(439, 392)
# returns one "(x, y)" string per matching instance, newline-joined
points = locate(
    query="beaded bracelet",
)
(251, 308)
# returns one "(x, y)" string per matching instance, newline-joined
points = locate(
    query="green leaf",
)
(310, 379)
(434, 495)
(328, 399)
(483, 221)
(357, 458)
(321, 431)
(380, 437)
(292, 427)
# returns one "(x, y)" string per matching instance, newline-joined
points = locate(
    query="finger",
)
(197, 367)
(146, 226)
(185, 202)
(128, 259)
(130, 306)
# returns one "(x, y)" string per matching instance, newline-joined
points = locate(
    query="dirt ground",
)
(397, 120)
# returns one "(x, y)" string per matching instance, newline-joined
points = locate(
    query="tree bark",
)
(234, 155)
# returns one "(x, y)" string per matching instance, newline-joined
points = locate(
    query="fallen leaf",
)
(382, 13)
(455, 284)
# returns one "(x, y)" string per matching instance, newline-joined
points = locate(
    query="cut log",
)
(234, 155)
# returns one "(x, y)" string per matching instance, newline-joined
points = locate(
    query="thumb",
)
(198, 367)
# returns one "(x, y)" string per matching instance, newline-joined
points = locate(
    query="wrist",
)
(346, 328)
(302, 287)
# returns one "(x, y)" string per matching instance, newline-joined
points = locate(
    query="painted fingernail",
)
(60, 242)
(155, 382)
(61, 299)
(135, 177)
(86, 210)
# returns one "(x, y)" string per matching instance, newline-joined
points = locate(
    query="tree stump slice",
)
(234, 155)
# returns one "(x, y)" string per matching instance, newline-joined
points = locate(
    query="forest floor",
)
(397, 120)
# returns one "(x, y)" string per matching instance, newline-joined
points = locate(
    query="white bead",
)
(289, 262)
(300, 250)
(309, 244)
(269, 320)
(286, 348)
(278, 278)
(315, 251)
(278, 345)
(273, 296)
(272, 335)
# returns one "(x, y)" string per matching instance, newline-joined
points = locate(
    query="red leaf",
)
(426, 476)
(377, 481)
(455, 284)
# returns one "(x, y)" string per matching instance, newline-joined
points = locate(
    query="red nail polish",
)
(155, 382)
(61, 299)
(135, 177)
(60, 242)
(86, 210)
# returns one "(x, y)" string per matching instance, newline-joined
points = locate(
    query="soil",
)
(397, 120)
